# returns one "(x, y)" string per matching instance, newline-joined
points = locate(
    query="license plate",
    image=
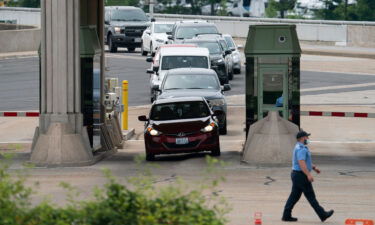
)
(137, 40)
(182, 141)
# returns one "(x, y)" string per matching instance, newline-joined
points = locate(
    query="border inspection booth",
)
(272, 72)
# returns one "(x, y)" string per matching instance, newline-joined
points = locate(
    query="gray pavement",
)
(343, 148)
(19, 80)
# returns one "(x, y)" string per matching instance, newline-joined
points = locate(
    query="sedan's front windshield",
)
(213, 47)
(173, 62)
(196, 81)
(180, 110)
(129, 15)
(190, 32)
(163, 28)
(229, 42)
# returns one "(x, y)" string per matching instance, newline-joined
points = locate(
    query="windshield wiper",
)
(173, 88)
(196, 88)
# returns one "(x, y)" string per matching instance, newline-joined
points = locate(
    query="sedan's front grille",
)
(188, 145)
(182, 134)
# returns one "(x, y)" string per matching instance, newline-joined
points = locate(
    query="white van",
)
(176, 57)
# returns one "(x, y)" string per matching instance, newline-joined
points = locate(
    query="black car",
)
(189, 29)
(217, 56)
(198, 82)
(124, 26)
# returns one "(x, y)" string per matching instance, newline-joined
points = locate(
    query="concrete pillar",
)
(60, 139)
(270, 141)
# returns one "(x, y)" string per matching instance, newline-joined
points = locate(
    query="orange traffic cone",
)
(358, 222)
(258, 218)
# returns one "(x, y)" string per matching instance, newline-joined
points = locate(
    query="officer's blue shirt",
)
(301, 152)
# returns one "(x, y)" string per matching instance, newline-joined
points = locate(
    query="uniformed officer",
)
(302, 180)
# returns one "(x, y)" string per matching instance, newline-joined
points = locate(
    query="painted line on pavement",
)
(337, 87)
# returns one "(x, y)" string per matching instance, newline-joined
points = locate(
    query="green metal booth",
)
(272, 72)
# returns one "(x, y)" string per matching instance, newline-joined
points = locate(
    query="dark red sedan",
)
(180, 125)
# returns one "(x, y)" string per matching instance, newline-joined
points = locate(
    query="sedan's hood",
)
(206, 93)
(162, 36)
(215, 57)
(180, 126)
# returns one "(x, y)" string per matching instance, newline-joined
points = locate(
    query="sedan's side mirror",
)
(149, 59)
(227, 52)
(148, 32)
(227, 87)
(170, 37)
(142, 118)
(155, 68)
(150, 71)
(156, 87)
(233, 49)
(106, 22)
(153, 20)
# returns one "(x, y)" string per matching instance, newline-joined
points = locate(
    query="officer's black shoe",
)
(289, 219)
(328, 214)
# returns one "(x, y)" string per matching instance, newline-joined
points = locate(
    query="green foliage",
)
(24, 3)
(362, 10)
(271, 10)
(144, 204)
(121, 2)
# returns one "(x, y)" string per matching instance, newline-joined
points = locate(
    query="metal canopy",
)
(89, 42)
(272, 40)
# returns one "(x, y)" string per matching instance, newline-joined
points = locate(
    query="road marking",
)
(337, 87)
(125, 57)
(345, 142)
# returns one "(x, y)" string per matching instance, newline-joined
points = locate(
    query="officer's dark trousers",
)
(302, 185)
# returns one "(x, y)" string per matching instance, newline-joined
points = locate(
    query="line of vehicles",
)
(191, 66)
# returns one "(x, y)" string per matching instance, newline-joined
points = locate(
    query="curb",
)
(339, 54)
(128, 134)
(15, 55)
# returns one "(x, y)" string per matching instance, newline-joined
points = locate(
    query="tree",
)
(285, 5)
(30, 3)
(271, 10)
(121, 2)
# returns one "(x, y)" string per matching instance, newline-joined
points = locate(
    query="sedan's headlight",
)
(153, 132)
(117, 29)
(160, 40)
(236, 57)
(216, 102)
(218, 61)
(209, 128)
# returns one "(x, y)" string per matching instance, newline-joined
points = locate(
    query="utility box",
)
(272, 72)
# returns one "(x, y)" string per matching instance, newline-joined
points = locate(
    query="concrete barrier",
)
(349, 33)
(19, 40)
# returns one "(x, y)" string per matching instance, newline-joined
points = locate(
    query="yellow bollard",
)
(125, 103)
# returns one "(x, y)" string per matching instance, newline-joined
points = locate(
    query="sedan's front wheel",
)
(150, 157)
(216, 151)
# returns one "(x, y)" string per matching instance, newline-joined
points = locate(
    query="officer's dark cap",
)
(302, 134)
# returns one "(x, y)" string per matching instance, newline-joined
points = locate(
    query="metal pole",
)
(151, 8)
(240, 6)
(125, 103)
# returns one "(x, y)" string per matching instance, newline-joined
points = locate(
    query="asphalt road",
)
(19, 84)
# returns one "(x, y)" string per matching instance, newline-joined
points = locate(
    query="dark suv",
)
(217, 56)
(124, 26)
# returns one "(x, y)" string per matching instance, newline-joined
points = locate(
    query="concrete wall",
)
(361, 36)
(19, 40)
(25, 16)
(350, 33)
